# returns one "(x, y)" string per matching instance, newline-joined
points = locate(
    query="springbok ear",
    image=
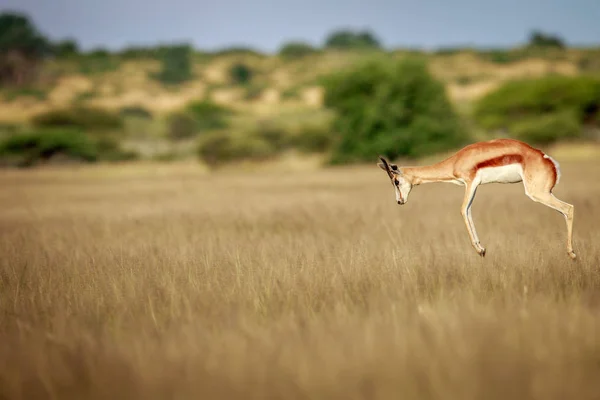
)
(380, 165)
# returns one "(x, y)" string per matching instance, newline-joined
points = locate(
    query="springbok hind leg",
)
(470, 191)
(565, 209)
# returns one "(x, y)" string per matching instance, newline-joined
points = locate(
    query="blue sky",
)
(265, 25)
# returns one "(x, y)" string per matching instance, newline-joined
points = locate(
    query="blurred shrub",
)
(541, 39)
(109, 149)
(294, 50)
(176, 63)
(29, 148)
(277, 135)
(221, 147)
(548, 128)
(20, 92)
(348, 39)
(307, 136)
(254, 91)
(181, 126)
(266, 139)
(590, 61)
(238, 51)
(9, 127)
(449, 51)
(506, 56)
(536, 104)
(291, 93)
(22, 49)
(84, 118)
(97, 61)
(136, 111)
(137, 52)
(84, 96)
(197, 117)
(313, 138)
(390, 108)
(65, 48)
(501, 56)
(240, 73)
(38, 146)
(209, 115)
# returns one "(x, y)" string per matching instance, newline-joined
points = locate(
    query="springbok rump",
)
(494, 161)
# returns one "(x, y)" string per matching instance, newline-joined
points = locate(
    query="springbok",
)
(494, 161)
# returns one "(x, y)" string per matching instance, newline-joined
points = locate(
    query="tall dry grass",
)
(305, 285)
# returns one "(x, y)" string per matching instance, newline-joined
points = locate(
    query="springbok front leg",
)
(566, 209)
(470, 191)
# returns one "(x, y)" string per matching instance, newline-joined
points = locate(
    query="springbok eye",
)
(396, 182)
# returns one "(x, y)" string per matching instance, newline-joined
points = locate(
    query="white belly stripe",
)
(511, 173)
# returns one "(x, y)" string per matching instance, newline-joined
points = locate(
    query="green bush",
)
(313, 138)
(135, 111)
(209, 115)
(139, 52)
(266, 139)
(197, 117)
(273, 133)
(295, 50)
(541, 39)
(348, 39)
(450, 50)
(546, 129)
(39, 146)
(97, 61)
(31, 92)
(222, 147)
(181, 126)
(238, 51)
(84, 118)
(29, 148)
(84, 96)
(291, 93)
(240, 73)
(536, 103)
(9, 128)
(22, 49)
(390, 108)
(506, 56)
(254, 91)
(108, 149)
(500, 56)
(176, 64)
(590, 61)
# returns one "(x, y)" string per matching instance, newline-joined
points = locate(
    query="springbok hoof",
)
(572, 255)
(482, 252)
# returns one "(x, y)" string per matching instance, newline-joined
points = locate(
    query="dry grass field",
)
(174, 283)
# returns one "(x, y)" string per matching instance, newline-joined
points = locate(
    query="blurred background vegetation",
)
(346, 101)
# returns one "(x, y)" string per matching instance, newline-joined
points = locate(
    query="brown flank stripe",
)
(501, 161)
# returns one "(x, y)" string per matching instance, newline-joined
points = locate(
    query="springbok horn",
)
(386, 165)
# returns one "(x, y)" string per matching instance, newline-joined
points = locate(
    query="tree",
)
(240, 73)
(65, 48)
(542, 110)
(347, 39)
(390, 108)
(540, 39)
(22, 48)
(293, 50)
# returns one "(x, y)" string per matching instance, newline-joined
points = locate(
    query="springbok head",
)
(402, 186)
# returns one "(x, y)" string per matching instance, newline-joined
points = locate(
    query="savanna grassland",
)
(166, 282)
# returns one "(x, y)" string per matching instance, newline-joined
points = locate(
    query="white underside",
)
(512, 173)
